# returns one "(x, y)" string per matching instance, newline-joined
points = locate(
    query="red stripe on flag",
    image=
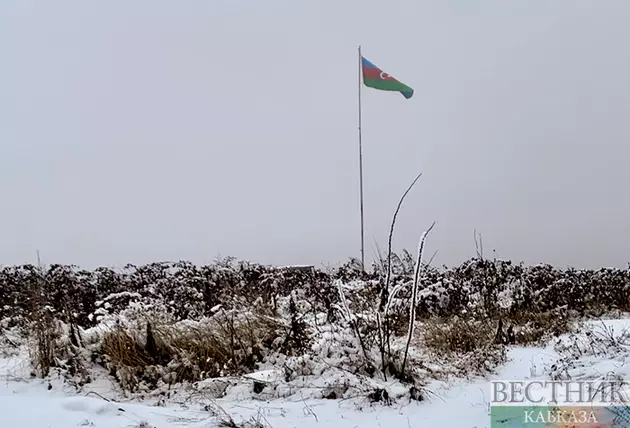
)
(376, 73)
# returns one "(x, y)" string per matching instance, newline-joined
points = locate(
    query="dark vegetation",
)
(490, 288)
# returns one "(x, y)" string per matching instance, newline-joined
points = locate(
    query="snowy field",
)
(600, 349)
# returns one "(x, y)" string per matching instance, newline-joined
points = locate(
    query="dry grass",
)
(464, 335)
(478, 346)
(457, 335)
(124, 350)
(537, 328)
(227, 344)
(44, 344)
(468, 345)
(230, 343)
(256, 421)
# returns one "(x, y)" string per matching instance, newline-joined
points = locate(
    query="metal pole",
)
(361, 166)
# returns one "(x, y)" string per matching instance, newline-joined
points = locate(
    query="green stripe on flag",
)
(387, 85)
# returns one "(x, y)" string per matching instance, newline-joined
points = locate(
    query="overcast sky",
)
(147, 130)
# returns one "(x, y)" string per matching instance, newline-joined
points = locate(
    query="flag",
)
(376, 78)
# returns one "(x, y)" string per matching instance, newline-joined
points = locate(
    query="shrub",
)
(457, 335)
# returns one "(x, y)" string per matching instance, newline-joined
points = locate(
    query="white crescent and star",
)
(384, 75)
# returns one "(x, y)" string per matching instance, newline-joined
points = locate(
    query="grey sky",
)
(164, 130)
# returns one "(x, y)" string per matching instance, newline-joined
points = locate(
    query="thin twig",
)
(389, 242)
(384, 336)
(351, 318)
(414, 295)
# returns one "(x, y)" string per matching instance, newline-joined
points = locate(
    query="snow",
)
(459, 403)
(38, 410)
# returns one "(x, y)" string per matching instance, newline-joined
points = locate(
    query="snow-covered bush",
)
(187, 291)
(177, 322)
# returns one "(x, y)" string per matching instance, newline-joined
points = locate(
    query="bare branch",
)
(478, 244)
(352, 319)
(414, 294)
(432, 257)
(385, 289)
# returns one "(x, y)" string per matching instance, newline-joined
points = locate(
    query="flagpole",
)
(361, 170)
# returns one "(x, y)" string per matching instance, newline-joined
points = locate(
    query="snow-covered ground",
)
(28, 403)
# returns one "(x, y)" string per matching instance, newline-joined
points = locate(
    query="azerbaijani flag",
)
(376, 78)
